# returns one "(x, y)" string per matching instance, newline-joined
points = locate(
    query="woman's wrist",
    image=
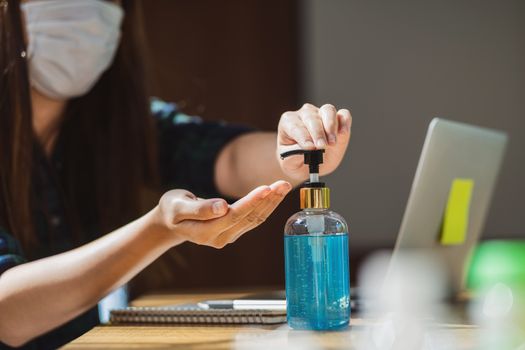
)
(161, 230)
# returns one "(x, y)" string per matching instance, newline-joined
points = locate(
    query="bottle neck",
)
(315, 198)
(315, 210)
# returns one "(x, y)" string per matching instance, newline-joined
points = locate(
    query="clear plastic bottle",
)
(317, 270)
(316, 258)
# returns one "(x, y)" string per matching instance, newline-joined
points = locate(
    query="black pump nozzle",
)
(311, 157)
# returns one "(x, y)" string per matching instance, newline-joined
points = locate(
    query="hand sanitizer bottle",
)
(316, 257)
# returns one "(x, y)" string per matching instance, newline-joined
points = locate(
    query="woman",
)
(79, 142)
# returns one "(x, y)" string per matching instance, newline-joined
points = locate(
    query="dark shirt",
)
(188, 149)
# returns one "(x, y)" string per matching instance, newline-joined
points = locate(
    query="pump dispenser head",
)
(314, 194)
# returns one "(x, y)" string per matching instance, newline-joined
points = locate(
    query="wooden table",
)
(246, 336)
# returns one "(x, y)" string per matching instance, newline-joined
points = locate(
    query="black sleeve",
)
(189, 147)
(10, 252)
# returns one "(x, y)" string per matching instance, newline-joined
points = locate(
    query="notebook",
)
(192, 313)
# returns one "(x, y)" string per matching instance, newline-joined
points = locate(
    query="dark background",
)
(398, 64)
(394, 64)
(237, 61)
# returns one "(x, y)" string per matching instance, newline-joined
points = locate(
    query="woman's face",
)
(70, 44)
(118, 2)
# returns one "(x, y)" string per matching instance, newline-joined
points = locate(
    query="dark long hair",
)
(107, 136)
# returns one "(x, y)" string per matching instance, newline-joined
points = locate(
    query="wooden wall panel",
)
(234, 60)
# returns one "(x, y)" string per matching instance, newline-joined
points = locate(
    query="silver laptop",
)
(451, 151)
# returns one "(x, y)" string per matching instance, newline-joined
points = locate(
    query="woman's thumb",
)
(201, 209)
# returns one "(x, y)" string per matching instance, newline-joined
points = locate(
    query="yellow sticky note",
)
(456, 218)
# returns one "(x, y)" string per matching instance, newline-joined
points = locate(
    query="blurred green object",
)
(497, 261)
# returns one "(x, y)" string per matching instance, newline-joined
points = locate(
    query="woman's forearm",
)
(38, 296)
(247, 162)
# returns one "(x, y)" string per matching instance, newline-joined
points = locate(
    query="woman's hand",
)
(312, 128)
(213, 222)
(47, 294)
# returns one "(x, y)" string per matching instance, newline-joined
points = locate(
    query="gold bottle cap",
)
(315, 197)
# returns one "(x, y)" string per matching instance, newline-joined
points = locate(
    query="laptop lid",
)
(451, 193)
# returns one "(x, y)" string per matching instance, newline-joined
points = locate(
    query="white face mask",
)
(71, 43)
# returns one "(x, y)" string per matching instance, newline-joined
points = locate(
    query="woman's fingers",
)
(240, 209)
(330, 122)
(345, 120)
(295, 131)
(311, 127)
(279, 190)
(242, 212)
(314, 124)
(181, 205)
(194, 209)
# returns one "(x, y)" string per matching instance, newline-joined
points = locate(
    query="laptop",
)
(453, 154)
